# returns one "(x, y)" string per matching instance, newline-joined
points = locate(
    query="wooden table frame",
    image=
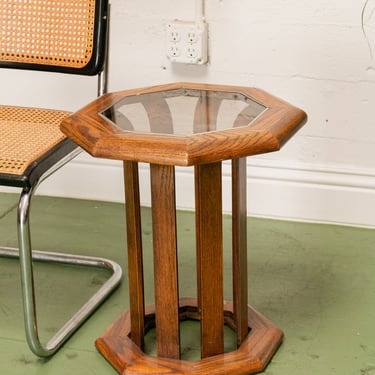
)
(257, 338)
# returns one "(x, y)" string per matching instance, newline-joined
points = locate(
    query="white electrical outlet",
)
(186, 42)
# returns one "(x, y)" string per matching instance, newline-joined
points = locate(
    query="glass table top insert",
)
(183, 112)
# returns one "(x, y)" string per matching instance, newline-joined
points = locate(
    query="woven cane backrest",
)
(53, 35)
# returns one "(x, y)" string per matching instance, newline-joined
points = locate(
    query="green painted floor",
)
(316, 282)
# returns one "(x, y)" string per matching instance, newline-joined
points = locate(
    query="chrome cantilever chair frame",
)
(26, 255)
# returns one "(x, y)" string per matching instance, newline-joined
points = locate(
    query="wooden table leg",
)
(135, 261)
(210, 257)
(239, 247)
(165, 260)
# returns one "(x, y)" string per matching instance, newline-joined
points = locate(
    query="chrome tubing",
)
(26, 256)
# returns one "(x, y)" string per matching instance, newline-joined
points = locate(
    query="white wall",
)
(313, 54)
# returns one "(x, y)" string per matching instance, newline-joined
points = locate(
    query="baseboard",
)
(312, 194)
(275, 189)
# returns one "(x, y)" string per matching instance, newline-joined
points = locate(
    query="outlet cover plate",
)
(186, 42)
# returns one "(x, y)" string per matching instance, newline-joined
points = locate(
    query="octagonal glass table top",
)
(183, 124)
(183, 112)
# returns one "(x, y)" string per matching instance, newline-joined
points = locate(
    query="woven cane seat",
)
(25, 135)
(59, 32)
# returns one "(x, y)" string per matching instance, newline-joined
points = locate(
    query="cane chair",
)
(61, 36)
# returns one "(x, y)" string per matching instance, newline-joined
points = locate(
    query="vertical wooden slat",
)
(158, 113)
(206, 113)
(165, 260)
(135, 261)
(210, 257)
(239, 243)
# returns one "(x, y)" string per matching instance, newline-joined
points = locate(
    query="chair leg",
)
(26, 256)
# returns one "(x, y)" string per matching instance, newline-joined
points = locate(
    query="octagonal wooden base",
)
(252, 356)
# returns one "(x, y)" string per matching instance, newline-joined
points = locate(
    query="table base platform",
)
(251, 357)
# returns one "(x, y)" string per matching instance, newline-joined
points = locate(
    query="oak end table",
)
(185, 124)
